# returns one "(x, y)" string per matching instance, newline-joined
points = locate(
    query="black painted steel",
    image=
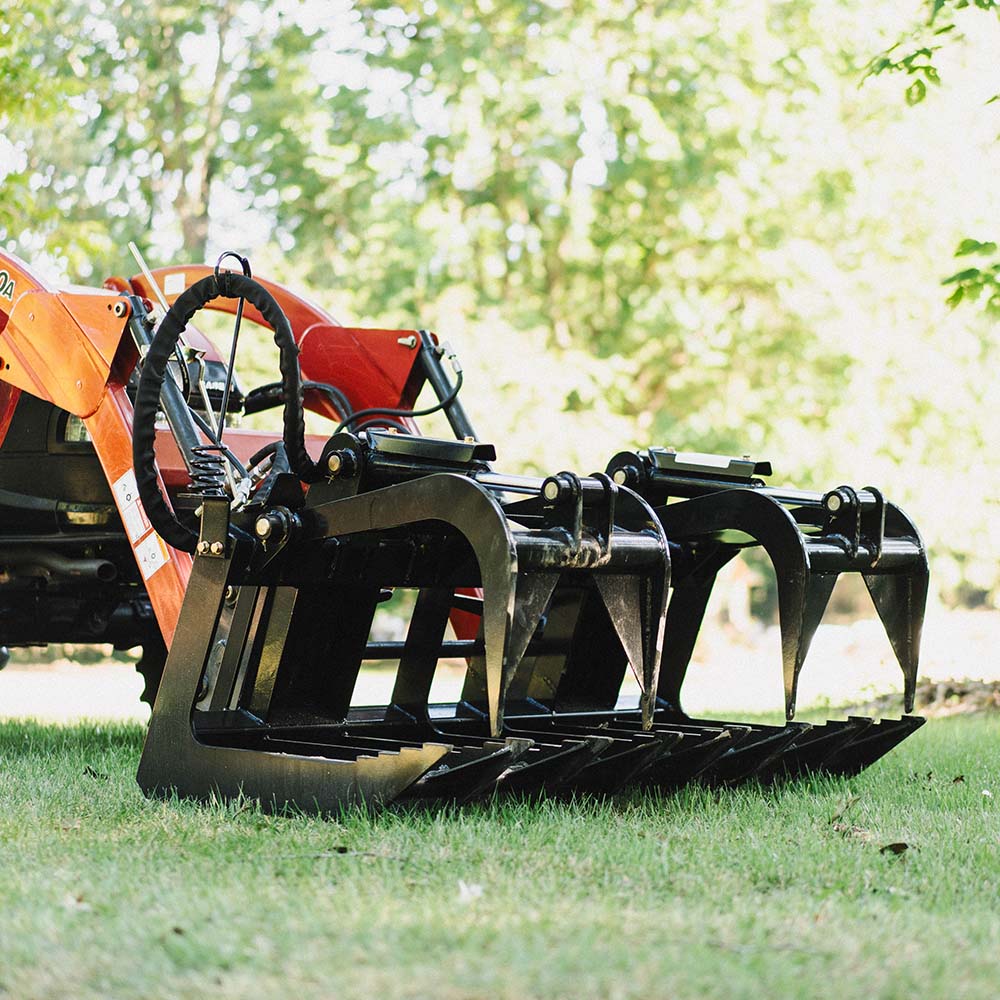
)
(719, 507)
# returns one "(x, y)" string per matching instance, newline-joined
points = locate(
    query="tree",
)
(642, 222)
(163, 100)
(917, 57)
(31, 92)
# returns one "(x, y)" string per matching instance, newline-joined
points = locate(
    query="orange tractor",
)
(250, 566)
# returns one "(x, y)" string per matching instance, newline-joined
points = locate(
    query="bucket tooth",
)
(872, 743)
(900, 600)
(548, 767)
(474, 773)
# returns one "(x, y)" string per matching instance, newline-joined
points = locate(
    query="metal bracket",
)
(213, 539)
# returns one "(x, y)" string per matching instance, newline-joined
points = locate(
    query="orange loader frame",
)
(72, 347)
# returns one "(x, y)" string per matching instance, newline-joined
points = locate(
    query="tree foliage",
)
(947, 26)
(718, 240)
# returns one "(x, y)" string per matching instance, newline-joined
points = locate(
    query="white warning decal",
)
(151, 554)
(134, 519)
(126, 490)
(133, 516)
(174, 283)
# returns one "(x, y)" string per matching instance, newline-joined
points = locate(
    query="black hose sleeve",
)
(264, 397)
(386, 411)
(151, 382)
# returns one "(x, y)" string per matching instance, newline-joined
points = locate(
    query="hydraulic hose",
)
(147, 399)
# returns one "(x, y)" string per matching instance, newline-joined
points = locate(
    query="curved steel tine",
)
(634, 514)
(773, 527)
(475, 513)
(801, 603)
(901, 600)
(685, 613)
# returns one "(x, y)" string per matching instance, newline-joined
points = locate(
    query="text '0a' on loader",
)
(134, 513)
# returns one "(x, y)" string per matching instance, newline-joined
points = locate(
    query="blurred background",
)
(760, 227)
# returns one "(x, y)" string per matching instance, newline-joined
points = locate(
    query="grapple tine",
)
(694, 754)
(802, 599)
(755, 755)
(810, 752)
(618, 769)
(650, 590)
(900, 601)
(625, 598)
(633, 750)
(531, 597)
(685, 614)
(772, 526)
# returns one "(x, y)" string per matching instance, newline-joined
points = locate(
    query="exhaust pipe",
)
(44, 562)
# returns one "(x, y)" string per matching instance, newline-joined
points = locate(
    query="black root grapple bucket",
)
(559, 586)
(555, 590)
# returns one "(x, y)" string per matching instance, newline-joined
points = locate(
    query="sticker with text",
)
(151, 554)
(133, 516)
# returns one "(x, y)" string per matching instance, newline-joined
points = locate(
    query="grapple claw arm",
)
(810, 539)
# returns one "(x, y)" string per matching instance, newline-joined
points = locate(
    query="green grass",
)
(704, 894)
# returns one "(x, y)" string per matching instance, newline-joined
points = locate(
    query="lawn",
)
(734, 893)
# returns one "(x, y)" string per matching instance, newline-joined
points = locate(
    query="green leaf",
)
(968, 246)
(968, 274)
(916, 92)
(955, 297)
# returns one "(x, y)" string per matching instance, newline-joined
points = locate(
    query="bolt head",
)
(551, 490)
(218, 548)
(620, 476)
(834, 503)
(202, 548)
(120, 309)
(334, 463)
(262, 527)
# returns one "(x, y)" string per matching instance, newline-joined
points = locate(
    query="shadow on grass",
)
(27, 738)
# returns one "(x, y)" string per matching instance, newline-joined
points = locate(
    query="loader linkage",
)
(558, 594)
